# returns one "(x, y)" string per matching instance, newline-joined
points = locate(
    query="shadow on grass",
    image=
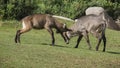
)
(113, 52)
(54, 45)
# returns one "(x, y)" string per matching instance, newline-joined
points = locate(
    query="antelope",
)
(94, 24)
(42, 21)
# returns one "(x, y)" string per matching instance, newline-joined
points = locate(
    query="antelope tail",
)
(65, 18)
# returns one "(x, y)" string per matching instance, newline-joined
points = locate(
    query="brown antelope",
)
(94, 24)
(42, 21)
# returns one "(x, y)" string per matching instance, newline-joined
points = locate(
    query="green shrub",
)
(17, 9)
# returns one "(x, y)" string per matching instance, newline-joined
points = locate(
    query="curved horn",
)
(65, 18)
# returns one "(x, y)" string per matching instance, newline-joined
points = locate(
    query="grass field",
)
(35, 51)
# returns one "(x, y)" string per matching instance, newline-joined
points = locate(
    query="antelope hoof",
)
(103, 50)
(15, 41)
(52, 44)
(67, 42)
(75, 47)
(89, 48)
(96, 49)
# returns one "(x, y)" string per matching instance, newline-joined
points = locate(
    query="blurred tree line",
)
(17, 9)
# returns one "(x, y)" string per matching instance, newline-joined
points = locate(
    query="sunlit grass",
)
(35, 51)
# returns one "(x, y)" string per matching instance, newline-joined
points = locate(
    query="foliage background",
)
(17, 9)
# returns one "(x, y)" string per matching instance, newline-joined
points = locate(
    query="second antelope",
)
(89, 24)
(42, 21)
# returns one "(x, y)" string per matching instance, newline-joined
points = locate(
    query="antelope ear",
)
(64, 25)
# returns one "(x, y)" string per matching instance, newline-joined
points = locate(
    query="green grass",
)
(35, 51)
